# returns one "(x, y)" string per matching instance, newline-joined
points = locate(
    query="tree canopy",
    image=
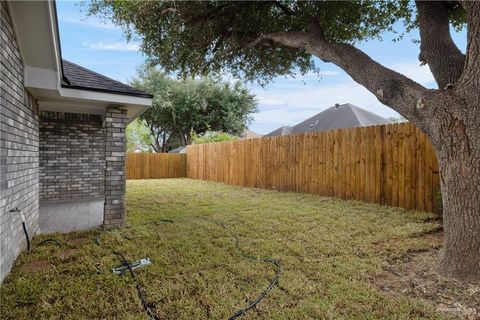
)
(181, 108)
(213, 136)
(200, 37)
(139, 138)
(264, 39)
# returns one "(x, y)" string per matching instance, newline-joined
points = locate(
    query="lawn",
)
(329, 250)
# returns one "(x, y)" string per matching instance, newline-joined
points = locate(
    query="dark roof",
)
(282, 131)
(337, 117)
(78, 77)
(340, 117)
(249, 134)
(180, 149)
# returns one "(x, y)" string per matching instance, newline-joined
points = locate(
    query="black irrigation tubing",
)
(264, 293)
(140, 292)
(48, 240)
(239, 313)
(27, 235)
(146, 306)
(158, 222)
(273, 281)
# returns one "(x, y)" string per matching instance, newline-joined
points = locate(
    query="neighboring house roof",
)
(249, 134)
(337, 117)
(180, 149)
(282, 131)
(85, 79)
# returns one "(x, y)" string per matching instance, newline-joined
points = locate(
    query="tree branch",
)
(390, 87)
(282, 7)
(437, 48)
(471, 75)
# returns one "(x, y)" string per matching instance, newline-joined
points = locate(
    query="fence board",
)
(157, 166)
(393, 164)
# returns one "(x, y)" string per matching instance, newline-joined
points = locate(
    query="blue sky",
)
(286, 101)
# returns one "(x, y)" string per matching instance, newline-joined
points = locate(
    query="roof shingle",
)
(337, 117)
(82, 78)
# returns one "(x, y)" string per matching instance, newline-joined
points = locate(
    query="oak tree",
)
(261, 40)
(183, 107)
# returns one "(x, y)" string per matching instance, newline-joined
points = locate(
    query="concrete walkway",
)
(70, 215)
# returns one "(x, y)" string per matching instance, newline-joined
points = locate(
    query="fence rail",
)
(390, 164)
(156, 165)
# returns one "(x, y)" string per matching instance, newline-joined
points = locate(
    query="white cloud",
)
(113, 46)
(310, 76)
(105, 62)
(414, 71)
(89, 23)
(289, 105)
(292, 105)
(321, 73)
(329, 73)
(266, 101)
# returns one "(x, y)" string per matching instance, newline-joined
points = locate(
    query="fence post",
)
(383, 130)
(388, 164)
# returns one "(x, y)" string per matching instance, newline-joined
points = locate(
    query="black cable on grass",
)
(166, 221)
(238, 313)
(27, 236)
(140, 292)
(273, 282)
(264, 293)
(158, 222)
(24, 225)
(48, 240)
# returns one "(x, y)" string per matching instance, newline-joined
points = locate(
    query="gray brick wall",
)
(19, 173)
(115, 124)
(72, 156)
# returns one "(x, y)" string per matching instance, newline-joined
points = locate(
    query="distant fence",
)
(156, 165)
(390, 164)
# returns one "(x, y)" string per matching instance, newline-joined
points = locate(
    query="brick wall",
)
(115, 124)
(72, 156)
(19, 176)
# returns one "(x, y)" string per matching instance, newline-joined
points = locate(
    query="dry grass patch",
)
(329, 251)
(414, 275)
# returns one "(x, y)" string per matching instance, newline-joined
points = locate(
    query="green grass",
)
(329, 249)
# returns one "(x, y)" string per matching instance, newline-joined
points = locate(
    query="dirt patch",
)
(37, 266)
(414, 275)
(78, 241)
(65, 254)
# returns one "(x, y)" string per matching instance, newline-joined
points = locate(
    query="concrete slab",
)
(70, 215)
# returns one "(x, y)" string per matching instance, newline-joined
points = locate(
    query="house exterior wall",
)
(72, 156)
(83, 158)
(115, 153)
(19, 172)
(85, 154)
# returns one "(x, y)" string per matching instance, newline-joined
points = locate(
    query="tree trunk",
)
(458, 151)
(449, 116)
(460, 182)
(183, 140)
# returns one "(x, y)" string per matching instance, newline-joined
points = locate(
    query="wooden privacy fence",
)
(390, 164)
(156, 165)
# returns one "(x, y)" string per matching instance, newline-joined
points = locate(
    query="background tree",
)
(139, 138)
(260, 40)
(194, 105)
(213, 136)
(156, 119)
(399, 119)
